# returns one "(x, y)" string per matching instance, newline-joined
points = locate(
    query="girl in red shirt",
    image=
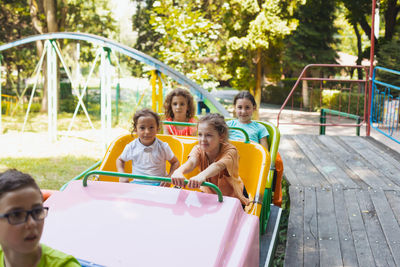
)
(179, 107)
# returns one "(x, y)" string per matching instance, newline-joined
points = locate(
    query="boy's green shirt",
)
(50, 258)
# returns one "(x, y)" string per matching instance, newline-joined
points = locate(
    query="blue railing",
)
(385, 105)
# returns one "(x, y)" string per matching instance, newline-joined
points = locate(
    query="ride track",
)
(128, 51)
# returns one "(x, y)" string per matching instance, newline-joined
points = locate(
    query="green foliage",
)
(16, 22)
(148, 38)
(187, 40)
(312, 41)
(389, 57)
(253, 27)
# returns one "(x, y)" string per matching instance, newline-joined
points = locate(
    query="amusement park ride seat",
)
(252, 169)
(117, 146)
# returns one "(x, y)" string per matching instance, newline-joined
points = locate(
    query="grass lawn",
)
(49, 173)
(37, 122)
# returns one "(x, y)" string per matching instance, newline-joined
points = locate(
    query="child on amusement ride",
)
(244, 105)
(179, 107)
(147, 152)
(217, 159)
(21, 224)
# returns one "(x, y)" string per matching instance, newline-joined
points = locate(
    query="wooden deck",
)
(345, 201)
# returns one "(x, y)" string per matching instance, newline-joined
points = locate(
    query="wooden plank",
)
(390, 225)
(347, 248)
(294, 243)
(339, 161)
(384, 166)
(311, 249)
(305, 171)
(393, 198)
(324, 162)
(353, 161)
(388, 151)
(376, 238)
(289, 171)
(360, 238)
(329, 247)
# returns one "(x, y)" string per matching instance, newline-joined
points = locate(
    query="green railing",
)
(94, 166)
(150, 178)
(325, 111)
(246, 135)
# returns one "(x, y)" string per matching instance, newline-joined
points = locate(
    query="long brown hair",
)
(179, 92)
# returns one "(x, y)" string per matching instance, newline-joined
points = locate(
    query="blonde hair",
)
(218, 122)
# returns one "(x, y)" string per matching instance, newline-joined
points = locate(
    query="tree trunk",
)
(50, 9)
(359, 51)
(36, 8)
(390, 18)
(51, 15)
(257, 90)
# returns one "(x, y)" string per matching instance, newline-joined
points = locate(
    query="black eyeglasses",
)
(21, 216)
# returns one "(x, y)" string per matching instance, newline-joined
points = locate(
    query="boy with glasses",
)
(21, 224)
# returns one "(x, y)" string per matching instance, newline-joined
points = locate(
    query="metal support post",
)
(105, 85)
(156, 95)
(52, 91)
(153, 82)
(160, 93)
(371, 68)
(1, 110)
(322, 120)
(117, 97)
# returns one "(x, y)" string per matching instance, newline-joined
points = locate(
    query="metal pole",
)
(105, 87)
(160, 92)
(38, 69)
(371, 67)
(153, 82)
(52, 91)
(1, 129)
(117, 96)
(322, 120)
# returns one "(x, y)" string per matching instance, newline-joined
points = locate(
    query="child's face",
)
(24, 237)
(244, 110)
(147, 129)
(209, 138)
(179, 107)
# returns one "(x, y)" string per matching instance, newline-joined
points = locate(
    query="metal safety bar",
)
(94, 166)
(151, 178)
(246, 135)
(325, 111)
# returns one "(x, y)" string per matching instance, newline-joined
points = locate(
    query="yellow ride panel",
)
(253, 164)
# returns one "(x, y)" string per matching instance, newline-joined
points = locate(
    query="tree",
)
(188, 39)
(69, 15)
(255, 31)
(15, 24)
(147, 37)
(312, 40)
(359, 12)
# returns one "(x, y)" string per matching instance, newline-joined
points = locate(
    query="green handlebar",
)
(246, 135)
(179, 123)
(152, 178)
(94, 166)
